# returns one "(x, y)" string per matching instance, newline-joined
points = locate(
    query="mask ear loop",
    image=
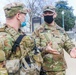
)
(23, 21)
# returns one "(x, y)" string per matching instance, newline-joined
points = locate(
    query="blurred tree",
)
(35, 7)
(69, 18)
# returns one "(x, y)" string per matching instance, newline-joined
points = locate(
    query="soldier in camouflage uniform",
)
(15, 16)
(52, 40)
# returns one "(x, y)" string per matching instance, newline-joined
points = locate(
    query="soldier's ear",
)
(55, 15)
(42, 15)
(18, 16)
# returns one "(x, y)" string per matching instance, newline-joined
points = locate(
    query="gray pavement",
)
(71, 64)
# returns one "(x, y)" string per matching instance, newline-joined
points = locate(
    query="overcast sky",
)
(73, 4)
(4, 2)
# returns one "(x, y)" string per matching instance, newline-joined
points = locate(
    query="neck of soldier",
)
(13, 23)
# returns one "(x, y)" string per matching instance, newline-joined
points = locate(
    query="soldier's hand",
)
(50, 50)
(73, 53)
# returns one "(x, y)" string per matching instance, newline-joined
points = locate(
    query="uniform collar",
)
(8, 26)
(52, 27)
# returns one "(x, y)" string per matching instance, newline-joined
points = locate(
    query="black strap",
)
(17, 42)
(35, 48)
(27, 58)
(42, 71)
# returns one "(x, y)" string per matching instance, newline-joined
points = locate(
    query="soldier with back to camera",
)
(16, 48)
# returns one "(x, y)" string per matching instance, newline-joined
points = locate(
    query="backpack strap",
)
(17, 42)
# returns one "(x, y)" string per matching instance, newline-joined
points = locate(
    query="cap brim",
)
(49, 10)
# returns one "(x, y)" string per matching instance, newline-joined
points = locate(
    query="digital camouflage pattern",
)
(60, 41)
(8, 36)
(13, 8)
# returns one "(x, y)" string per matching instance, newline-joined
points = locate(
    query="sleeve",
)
(38, 57)
(2, 53)
(68, 44)
(26, 45)
(5, 46)
(35, 35)
(40, 44)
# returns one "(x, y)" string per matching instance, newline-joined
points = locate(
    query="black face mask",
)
(48, 19)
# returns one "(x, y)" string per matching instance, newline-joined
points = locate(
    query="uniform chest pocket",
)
(56, 39)
(57, 43)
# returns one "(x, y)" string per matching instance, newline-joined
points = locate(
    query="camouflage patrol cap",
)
(13, 8)
(49, 8)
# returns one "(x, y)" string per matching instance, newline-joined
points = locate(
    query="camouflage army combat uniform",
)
(53, 64)
(14, 60)
(7, 40)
